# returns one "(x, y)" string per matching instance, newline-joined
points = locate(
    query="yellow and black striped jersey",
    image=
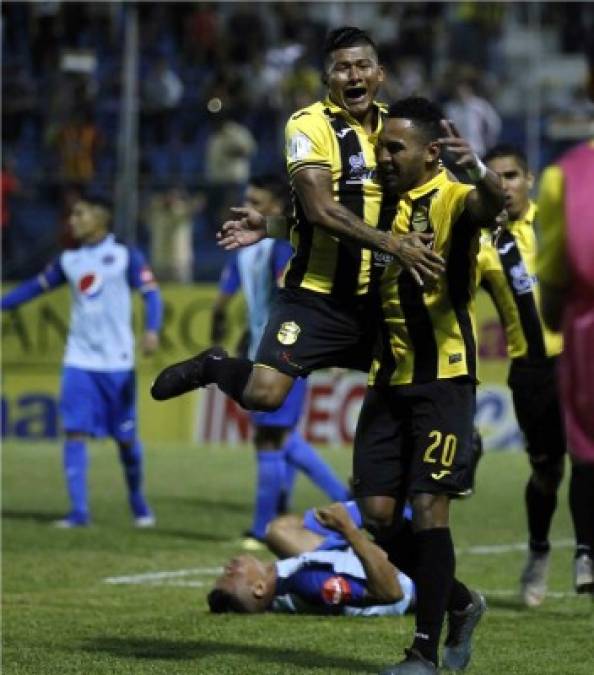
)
(507, 271)
(430, 334)
(325, 136)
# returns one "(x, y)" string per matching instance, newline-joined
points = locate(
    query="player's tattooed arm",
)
(383, 586)
(314, 190)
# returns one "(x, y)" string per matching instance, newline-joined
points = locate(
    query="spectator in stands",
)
(9, 185)
(78, 143)
(474, 117)
(162, 92)
(169, 217)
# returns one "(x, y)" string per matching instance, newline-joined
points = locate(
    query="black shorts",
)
(307, 331)
(415, 438)
(536, 402)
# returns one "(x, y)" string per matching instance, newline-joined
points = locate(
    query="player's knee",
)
(266, 389)
(430, 511)
(547, 479)
(377, 512)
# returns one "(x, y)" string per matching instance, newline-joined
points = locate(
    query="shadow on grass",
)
(190, 535)
(38, 516)
(205, 504)
(146, 648)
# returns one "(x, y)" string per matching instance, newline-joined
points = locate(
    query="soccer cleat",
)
(184, 376)
(583, 574)
(250, 542)
(145, 521)
(413, 664)
(70, 522)
(533, 582)
(461, 625)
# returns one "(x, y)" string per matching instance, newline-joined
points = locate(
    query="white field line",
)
(176, 577)
(497, 549)
(509, 593)
(169, 577)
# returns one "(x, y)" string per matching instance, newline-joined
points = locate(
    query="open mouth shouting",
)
(356, 94)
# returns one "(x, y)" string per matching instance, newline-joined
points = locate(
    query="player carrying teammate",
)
(98, 393)
(325, 314)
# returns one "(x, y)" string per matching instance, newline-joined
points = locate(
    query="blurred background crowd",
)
(213, 85)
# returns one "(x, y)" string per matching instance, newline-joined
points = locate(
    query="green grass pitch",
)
(60, 616)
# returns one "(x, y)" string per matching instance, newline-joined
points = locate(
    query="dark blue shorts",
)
(289, 413)
(99, 403)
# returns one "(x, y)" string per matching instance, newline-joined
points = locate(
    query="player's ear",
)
(259, 588)
(433, 151)
(530, 180)
(381, 74)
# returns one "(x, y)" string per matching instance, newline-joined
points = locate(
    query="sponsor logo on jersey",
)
(90, 285)
(288, 333)
(440, 475)
(108, 259)
(336, 591)
(381, 259)
(506, 247)
(521, 281)
(343, 132)
(299, 147)
(420, 219)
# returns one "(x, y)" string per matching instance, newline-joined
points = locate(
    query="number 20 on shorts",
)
(447, 445)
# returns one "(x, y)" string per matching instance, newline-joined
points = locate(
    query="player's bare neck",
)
(94, 238)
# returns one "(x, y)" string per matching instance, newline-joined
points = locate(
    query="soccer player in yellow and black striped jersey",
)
(325, 314)
(414, 435)
(507, 268)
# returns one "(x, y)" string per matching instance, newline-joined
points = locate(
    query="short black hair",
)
(425, 114)
(274, 184)
(222, 602)
(345, 37)
(97, 198)
(507, 150)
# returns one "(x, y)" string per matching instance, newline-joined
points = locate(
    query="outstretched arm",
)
(487, 200)
(50, 278)
(382, 582)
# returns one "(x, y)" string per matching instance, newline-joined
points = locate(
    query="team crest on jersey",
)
(420, 219)
(336, 591)
(357, 169)
(90, 285)
(288, 333)
(521, 281)
(299, 147)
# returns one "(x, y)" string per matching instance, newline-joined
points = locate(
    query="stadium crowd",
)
(217, 82)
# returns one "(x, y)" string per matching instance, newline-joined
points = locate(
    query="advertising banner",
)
(33, 342)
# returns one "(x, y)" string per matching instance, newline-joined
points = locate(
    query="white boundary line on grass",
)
(497, 549)
(167, 577)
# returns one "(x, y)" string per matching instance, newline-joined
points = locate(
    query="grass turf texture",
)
(60, 616)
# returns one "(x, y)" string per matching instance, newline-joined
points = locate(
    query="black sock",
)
(460, 597)
(540, 508)
(581, 504)
(433, 580)
(229, 374)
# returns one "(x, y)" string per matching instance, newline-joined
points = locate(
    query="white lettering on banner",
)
(332, 409)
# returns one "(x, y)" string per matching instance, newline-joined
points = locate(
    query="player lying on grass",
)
(357, 581)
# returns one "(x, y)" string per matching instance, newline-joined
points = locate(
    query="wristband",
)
(478, 172)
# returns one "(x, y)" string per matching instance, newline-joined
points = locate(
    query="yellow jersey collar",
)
(528, 219)
(336, 109)
(436, 182)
